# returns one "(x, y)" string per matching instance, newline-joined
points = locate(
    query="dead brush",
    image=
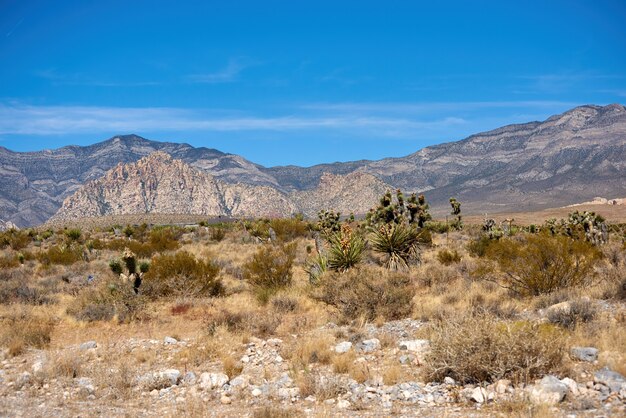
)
(477, 348)
(23, 328)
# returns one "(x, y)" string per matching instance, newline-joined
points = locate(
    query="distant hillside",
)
(569, 158)
(159, 184)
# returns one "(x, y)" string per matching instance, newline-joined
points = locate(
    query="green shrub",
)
(73, 234)
(345, 249)
(447, 257)
(217, 234)
(181, 274)
(366, 293)
(289, 229)
(62, 254)
(14, 238)
(479, 349)
(159, 240)
(541, 264)
(478, 247)
(270, 269)
(437, 227)
(398, 243)
(116, 267)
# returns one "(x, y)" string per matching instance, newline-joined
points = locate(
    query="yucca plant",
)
(345, 249)
(398, 243)
(316, 268)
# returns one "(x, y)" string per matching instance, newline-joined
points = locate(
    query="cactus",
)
(457, 222)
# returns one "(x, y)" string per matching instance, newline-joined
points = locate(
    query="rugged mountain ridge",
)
(163, 185)
(568, 158)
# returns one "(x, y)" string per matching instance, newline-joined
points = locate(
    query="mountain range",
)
(566, 159)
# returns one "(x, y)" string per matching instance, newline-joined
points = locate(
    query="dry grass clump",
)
(322, 387)
(109, 298)
(255, 322)
(478, 348)
(540, 264)
(368, 293)
(23, 328)
(64, 254)
(284, 303)
(577, 312)
(276, 412)
(67, 364)
(181, 274)
(15, 239)
(447, 257)
(310, 349)
(231, 366)
(269, 270)
(159, 240)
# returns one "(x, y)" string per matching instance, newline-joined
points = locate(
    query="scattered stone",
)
(571, 385)
(172, 375)
(589, 354)
(449, 381)
(170, 340)
(415, 346)
(225, 400)
(86, 386)
(367, 346)
(240, 381)
(406, 359)
(478, 395)
(38, 368)
(613, 380)
(288, 393)
(23, 380)
(212, 380)
(343, 404)
(189, 378)
(502, 386)
(549, 390)
(88, 345)
(343, 347)
(256, 392)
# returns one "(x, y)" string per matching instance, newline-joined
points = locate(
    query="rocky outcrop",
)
(6, 225)
(160, 184)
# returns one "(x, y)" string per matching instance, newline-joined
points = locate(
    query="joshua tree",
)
(130, 261)
(457, 223)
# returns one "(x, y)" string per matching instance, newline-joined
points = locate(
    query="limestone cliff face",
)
(160, 184)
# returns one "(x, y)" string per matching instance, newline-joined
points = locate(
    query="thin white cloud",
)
(59, 120)
(78, 79)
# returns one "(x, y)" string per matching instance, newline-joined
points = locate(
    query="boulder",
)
(88, 345)
(589, 354)
(367, 346)
(613, 380)
(212, 380)
(549, 390)
(343, 347)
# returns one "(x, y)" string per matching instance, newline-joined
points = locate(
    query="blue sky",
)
(300, 82)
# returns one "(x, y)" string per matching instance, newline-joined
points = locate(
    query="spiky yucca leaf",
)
(345, 249)
(398, 243)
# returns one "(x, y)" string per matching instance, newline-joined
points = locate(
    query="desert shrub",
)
(478, 247)
(61, 254)
(14, 238)
(477, 349)
(398, 243)
(276, 412)
(447, 257)
(289, 229)
(116, 266)
(577, 311)
(316, 267)
(217, 234)
(252, 322)
(367, 293)
(22, 328)
(16, 291)
(108, 299)
(437, 227)
(159, 240)
(73, 234)
(181, 274)
(270, 269)
(541, 264)
(9, 261)
(284, 303)
(345, 249)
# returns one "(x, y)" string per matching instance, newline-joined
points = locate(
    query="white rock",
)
(88, 345)
(415, 346)
(170, 340)
(367, 346)
(343, 404)
(589, 354)
(256, 392)
(225, 400)
(449, 381)
(343, 347)
(571, 385)
(288, 393)
(278, 360)
(478, 395)
(245, 359)
(38, 368)
(212, 380)
(613, 380)
(502, 386)
(172, 375)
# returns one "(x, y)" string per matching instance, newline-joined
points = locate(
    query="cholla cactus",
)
(328, 221)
